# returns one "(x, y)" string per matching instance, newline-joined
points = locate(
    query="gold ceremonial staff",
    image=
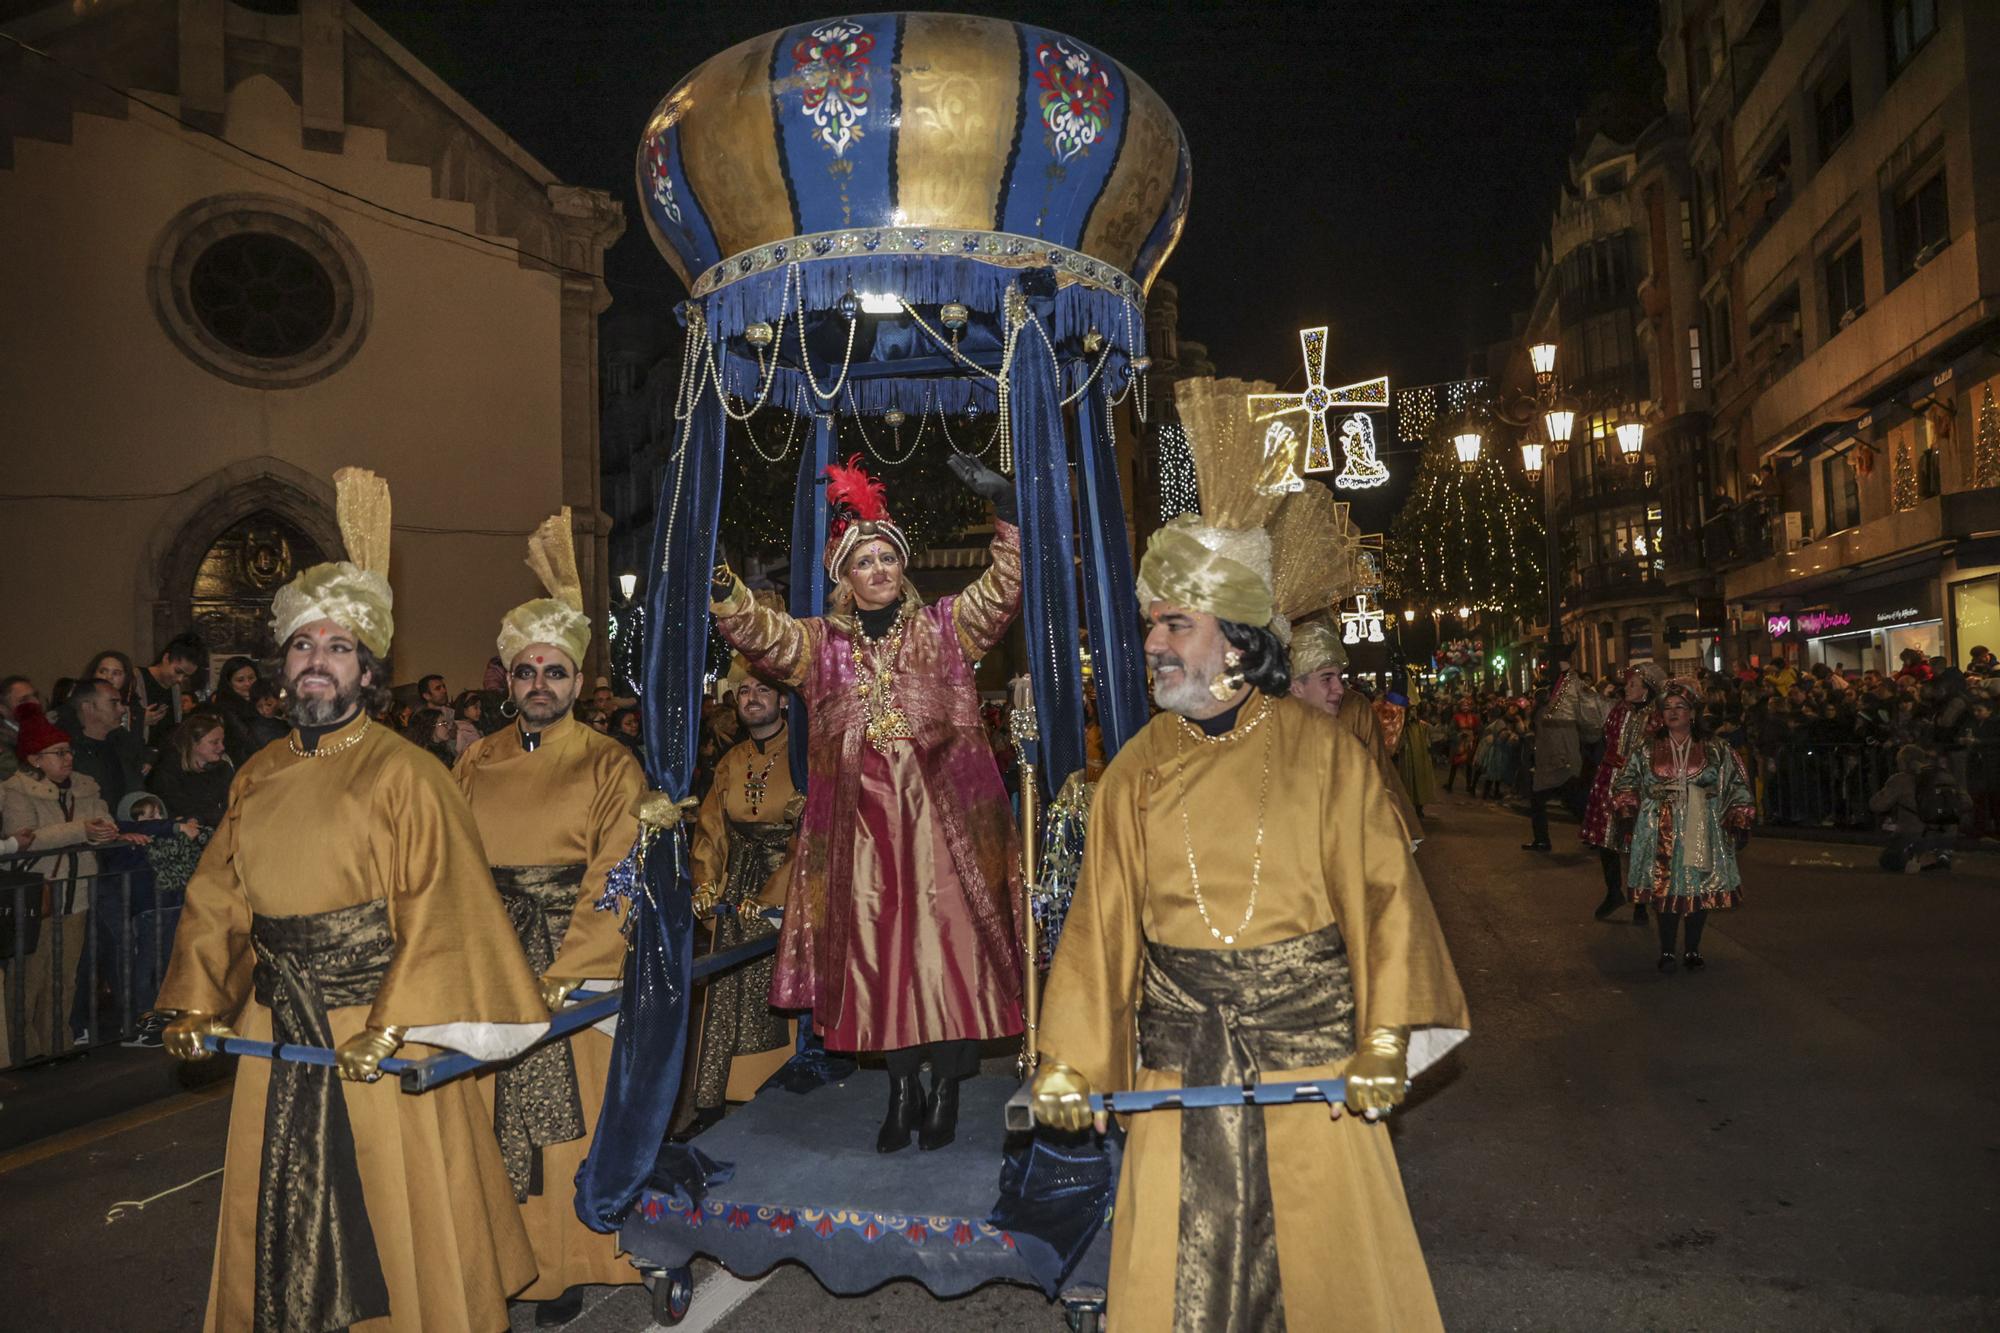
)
(1022, 728)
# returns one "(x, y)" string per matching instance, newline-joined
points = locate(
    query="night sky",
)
(1387, 167)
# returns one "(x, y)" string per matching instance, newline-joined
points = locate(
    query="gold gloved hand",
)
(706, 896)
(360, 1057)
(182, 1037)
(1379, 1074)
(1060, 1097)
(556, 989)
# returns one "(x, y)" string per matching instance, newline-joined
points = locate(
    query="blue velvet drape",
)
(1117, 651)
(645, 1074)
(809, 560)
(1048, 561)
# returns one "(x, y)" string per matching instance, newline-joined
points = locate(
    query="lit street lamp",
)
(1531, 459)
(1631, 438)
(1467, 443)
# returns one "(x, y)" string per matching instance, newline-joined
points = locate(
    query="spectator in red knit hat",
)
(61, 808)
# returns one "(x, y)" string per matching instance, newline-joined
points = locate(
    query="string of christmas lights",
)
(1178, 491)
(1986, 443)
(1469, 539)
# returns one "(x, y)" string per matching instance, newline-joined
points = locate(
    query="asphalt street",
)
(1803, 1136)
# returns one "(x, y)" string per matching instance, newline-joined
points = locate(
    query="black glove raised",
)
(989, 485)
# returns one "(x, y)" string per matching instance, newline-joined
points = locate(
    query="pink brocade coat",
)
(1624, 731)
(899, 922)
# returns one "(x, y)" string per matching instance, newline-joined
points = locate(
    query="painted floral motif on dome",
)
(1075, 99)
(662, 183)
(832, 69)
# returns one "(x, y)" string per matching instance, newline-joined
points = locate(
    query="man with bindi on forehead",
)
(553, 800)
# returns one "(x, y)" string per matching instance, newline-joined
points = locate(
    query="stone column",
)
(589, 221)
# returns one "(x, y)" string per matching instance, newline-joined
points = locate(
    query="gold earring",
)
(1230, 681)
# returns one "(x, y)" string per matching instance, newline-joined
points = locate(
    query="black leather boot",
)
(941, 1116)
(561, 1310)
(906, 1112)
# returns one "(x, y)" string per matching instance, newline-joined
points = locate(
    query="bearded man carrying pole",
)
(553, 800)
(1248, 912)
(344, 901)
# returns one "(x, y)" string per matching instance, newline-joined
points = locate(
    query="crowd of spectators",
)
(1819, 743)
(110, 786)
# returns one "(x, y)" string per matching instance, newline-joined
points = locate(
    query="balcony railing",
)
(1618, 577)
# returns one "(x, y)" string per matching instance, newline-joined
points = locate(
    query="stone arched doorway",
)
(217, 557)
(230, 600)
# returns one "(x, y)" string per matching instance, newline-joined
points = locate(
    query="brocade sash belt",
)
(535, 1099)
(755, 853)
(317, 1267)
(1225, 1016)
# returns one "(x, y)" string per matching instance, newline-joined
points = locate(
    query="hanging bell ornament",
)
(758, 335)
(850, 304)
(1093, 339)
(894, 416)
(954, 316)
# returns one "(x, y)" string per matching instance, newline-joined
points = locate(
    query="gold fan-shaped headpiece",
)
(1219, 560)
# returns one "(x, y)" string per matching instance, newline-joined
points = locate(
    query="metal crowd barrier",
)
(1808, 783)
(81, 956)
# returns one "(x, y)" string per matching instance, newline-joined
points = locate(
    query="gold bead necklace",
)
(1187, 823)
(874, 681)
(327, 751)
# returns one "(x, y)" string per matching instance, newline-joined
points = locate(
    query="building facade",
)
(243, 249)
(1607, 283)
(1845, 218)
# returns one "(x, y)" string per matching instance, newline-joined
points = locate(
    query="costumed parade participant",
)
(1569, 711)
(899, 922)
(1624, 734)
(1407, 739)
(1309, 579)
(553, 800)
(738, 863)
(1248, 909)
(345, 902)
(1691, 802)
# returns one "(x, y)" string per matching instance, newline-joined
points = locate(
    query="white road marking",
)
(714, 1297)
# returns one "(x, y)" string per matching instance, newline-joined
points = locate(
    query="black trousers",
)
(1569, 794)
(948, 1060)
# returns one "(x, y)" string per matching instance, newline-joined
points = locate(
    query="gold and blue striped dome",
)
(884, 135)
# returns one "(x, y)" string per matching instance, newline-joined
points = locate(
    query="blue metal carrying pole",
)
(1020, 1114)
(423, 1075)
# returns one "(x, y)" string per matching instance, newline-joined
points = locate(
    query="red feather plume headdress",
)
(857, 507)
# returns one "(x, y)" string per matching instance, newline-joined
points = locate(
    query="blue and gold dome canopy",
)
(855, 153)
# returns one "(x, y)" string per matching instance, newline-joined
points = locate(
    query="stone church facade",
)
(291, 247)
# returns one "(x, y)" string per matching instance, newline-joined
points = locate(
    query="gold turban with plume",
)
(1219, 560)
(558, 619)
(353, 593)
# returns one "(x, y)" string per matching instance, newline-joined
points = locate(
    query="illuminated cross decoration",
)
(1318, 399)
(1364, 621)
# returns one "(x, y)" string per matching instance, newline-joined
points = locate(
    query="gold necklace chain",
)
(1187, 823)
(1189, 729)
(756, 785)
(874, 681)
(326, 752)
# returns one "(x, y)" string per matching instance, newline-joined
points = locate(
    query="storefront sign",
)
(1886, 608)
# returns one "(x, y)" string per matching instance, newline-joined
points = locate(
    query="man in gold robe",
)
(1318, 658)
(344, 901)
(553, 802)
(740, 863)
(1248, 911)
